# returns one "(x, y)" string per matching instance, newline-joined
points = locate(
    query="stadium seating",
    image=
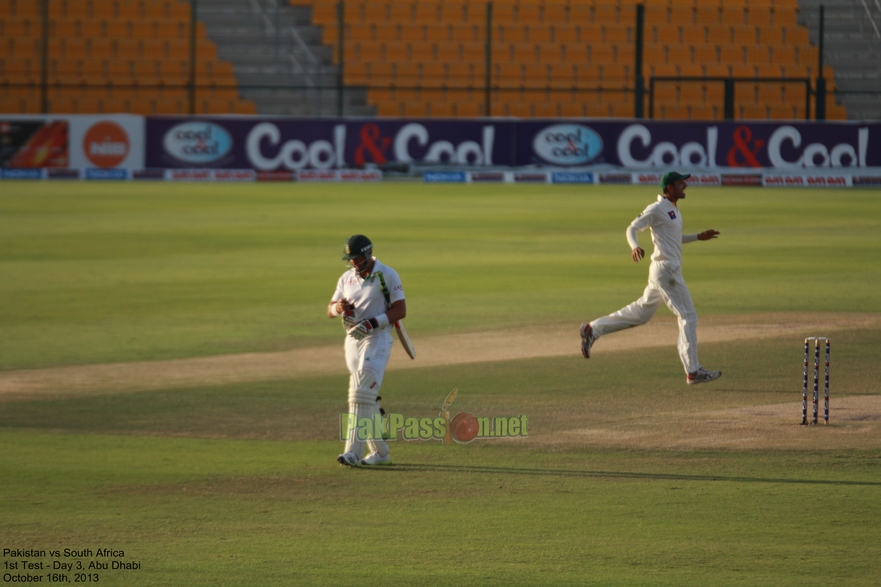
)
(589, 44)
(111, 56)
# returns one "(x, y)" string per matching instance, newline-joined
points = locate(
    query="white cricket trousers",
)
(665, 285)
(367, 360)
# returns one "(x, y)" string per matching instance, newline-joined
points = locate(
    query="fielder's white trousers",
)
(667, 286)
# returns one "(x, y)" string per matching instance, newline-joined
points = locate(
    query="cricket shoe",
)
(587, 339)
(348, 459)
(702, 376)
(375, 458)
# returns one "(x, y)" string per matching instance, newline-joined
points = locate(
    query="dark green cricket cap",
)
(671, 177)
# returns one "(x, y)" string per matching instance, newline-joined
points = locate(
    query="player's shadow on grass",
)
(416, 468)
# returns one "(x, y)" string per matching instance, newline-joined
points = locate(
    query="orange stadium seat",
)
(115, 49)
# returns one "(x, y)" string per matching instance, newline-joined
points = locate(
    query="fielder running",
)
(665, 282)
(368, 317)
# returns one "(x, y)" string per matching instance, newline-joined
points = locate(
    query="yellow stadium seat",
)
(621, 109)
(768, 70)
(694, 35)
(708, 15)
(673, 112)
(751, 112)
(679, 54)
(562, 73)
(758, 54)
(538, 34)
(744, 35)
(795, 35)
(705, 112)
(784, 17)
(556, 13)
(759, 15)
(445, 12)
(665, 34)
(427, 13)
(835, 111)
(770, 35)
(807, 54)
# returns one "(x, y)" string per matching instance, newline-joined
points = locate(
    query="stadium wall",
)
(247, 148)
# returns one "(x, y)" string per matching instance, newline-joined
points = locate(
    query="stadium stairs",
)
(280, 61)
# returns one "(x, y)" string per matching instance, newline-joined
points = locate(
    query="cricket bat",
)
(399, 325)
(405, 339)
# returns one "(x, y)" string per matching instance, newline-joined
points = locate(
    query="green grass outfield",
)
(237, 484)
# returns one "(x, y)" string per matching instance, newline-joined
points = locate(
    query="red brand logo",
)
(106, 144)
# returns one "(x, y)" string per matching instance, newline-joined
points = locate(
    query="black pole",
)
(821, 81)
(639, 101)
(340, 17)
(192, 88)
(729, 98)
(44, 60)
(489, 59)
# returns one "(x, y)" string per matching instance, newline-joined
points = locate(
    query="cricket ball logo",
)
(463, 428)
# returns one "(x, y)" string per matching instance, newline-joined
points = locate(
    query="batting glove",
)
(349, 321)
(363, 329)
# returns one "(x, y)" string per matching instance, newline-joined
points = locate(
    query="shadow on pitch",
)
(416, 468)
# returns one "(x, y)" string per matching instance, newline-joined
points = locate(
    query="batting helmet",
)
(357, 245)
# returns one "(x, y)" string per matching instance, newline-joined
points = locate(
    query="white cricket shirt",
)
(665, 222)
(367, 294)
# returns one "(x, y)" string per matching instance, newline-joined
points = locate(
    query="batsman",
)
(370, 298)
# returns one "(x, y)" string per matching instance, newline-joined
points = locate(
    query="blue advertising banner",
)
(285, 144)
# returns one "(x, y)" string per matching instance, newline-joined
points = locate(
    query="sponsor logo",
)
(806, 180)
(266, 152)
(148, 174)
(235, 175)
(190, 175)
(827, 180)
(783, 180)
(444, 176)
(665, 154)
(742, 179)
(872, 180)
(22, 174)
(648, 178)
(197, 142)
(705, 179)
(531, 177)
(360, 175)
(788, 139)
(62, 173)
(672, 215)
(106, 144)
(275, 176)
(616, 178)
(567, 144)
(465, 153)
(574, 177)
(106, 174)
(350, 175)
(488, 177)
